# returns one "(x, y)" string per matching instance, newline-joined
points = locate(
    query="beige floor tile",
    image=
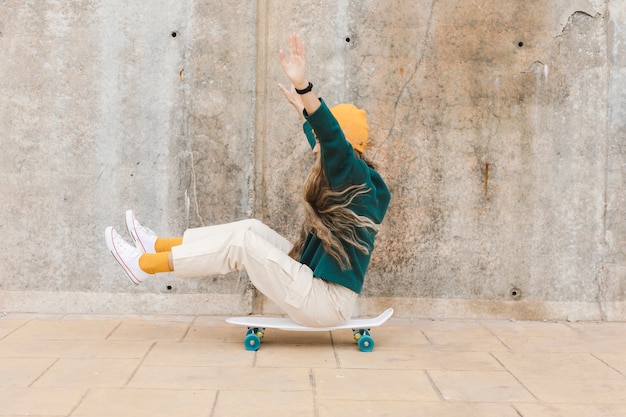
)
(480, 386)
(418, 358)
(169, 318)
(21, 372)
(571, 410)
(333, 408)
(88, 373)
(210, 329)
(211, 321)
(145, 403)
(296, 356)
(149, 330)
(610, 344)
(472, 339)
(574, 343)
(578, 391)
(452, 325)
(604, 337)
(599, 329)
(264, 404)
(199, 354)
(74, 348)
(39, 401)
(556, 365)
(548, 329)
(373, 384)
(222, 378)
(64, 330)
(8, 326)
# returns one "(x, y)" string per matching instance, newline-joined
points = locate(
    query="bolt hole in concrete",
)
(348, 39)
(520, 44)
(169, 288)
(516, 293)
(174, 34)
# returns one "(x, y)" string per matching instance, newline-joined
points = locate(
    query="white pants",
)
(255, 247)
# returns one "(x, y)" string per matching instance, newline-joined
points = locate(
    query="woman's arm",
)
(295, 68)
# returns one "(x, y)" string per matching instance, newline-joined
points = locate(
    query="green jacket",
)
(343, 169)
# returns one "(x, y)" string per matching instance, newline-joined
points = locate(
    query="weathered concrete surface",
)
(500, 130)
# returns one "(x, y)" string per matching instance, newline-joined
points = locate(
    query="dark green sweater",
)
(343, 169)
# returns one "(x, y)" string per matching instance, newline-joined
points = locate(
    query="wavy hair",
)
(328, 216)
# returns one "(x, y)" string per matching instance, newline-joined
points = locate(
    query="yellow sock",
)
(164, 244)
(155, 262)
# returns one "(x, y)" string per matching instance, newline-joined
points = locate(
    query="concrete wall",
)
(499, 128)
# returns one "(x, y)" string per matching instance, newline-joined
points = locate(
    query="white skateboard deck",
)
(256, 328)
(284, 323)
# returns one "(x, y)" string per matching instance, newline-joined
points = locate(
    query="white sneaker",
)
(126, 255)
(143, 237)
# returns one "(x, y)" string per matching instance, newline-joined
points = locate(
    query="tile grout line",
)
(114, 330)
(514, 376)
(56, 360)
(15, 330)
(332, 344)
(519, 413)
(600, 359)
(314, 391)
(496, 336)
(80, 401)
(434, 386)
(430, 342)
(132, 375)
(182, 339)
(217, 397)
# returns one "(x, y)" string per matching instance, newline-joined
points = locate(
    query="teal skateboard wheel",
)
(252, 342)
(366, 343)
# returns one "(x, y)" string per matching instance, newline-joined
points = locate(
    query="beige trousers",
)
(252, 246)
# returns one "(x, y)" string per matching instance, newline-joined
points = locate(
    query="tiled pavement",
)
(189, 366)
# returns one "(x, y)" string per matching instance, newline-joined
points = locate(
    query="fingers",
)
(296, 45)
(294, 63)
(293, 44)
(283, 89)
(288, 93)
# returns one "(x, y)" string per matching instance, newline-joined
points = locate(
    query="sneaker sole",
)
(108, 236)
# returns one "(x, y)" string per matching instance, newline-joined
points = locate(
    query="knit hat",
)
(353, 123)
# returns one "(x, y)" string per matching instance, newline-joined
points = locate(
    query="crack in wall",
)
(420, 60)
(194, 185)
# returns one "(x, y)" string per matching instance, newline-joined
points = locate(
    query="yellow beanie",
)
(353, 122)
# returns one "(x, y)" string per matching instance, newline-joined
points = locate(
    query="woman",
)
(317, 280)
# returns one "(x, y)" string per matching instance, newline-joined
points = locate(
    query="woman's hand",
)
(293, 98)
(295, 65)
(295, 69)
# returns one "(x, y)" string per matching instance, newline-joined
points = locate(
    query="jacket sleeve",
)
(341, 166)
(308, 131)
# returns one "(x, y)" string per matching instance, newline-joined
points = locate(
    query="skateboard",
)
(256, 328)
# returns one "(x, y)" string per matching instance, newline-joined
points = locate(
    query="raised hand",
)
(292, 97)
(295, 64)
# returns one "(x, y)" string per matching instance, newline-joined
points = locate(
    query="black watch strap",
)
(305, 90)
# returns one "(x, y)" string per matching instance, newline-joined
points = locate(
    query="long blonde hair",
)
(328, 216)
